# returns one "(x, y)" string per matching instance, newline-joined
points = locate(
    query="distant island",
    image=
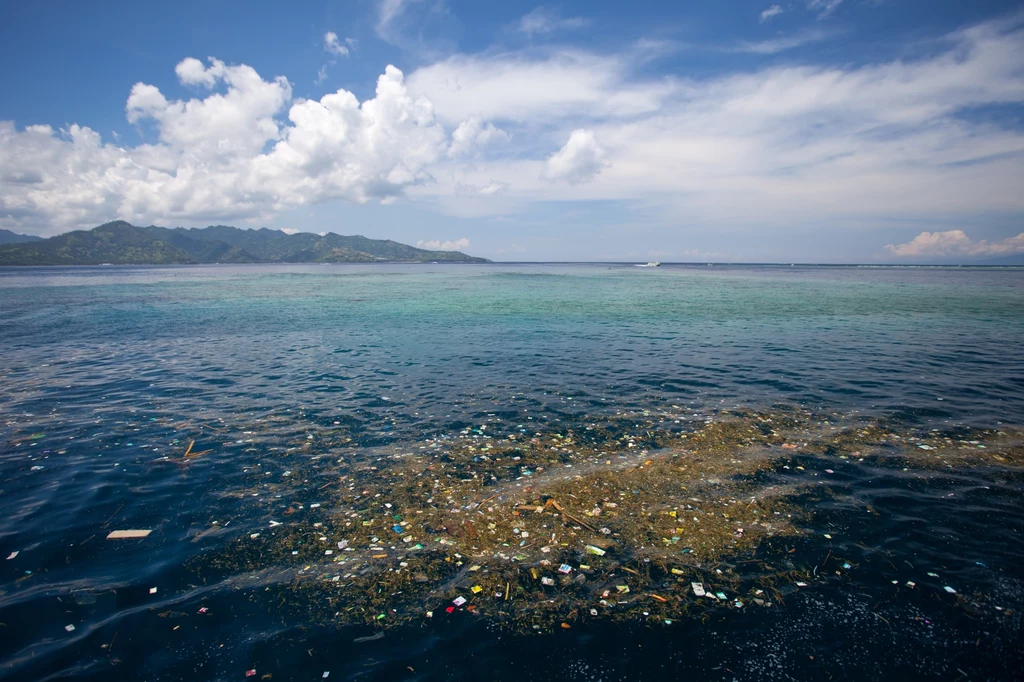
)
(121, 243)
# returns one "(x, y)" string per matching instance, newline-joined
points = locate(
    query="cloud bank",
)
(956, 243)
(226, 156)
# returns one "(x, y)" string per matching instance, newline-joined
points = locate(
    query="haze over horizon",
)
(814, 131)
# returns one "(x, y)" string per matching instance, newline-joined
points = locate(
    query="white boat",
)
(652, 264)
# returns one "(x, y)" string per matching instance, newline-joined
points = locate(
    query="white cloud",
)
(793, 144)
(567, 83)
(333, 45)
(578, 161)
(956, 243)
(437, 245)
(474, 134)
(190, 71)
(388, 11)
(211, 160)
(290, 230)
(772, 11)
(390, 19)
(823, 7)
(545, 20)
(799, 144)
(493, 188)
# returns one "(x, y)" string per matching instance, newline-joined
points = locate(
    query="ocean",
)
(511, 471)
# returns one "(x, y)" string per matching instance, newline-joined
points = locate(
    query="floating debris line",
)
(621, 517)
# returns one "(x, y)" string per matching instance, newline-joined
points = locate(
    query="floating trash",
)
(128, 534)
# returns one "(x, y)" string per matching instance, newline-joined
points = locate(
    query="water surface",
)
(109, 373)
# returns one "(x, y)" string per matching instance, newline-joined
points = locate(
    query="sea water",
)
(204, 403)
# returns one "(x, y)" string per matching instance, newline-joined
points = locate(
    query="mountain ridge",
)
(121, 243)
(8, 237)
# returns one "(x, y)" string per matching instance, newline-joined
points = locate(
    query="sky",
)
(728, 130)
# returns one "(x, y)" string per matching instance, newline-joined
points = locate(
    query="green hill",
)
(122, 243)
(8, 237)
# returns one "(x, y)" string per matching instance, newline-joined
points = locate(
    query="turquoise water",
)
(107, 371)
(942, 341)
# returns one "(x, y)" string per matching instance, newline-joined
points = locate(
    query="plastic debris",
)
(152, 590)
(949, 589)
(127, 534)
(698, 589)
(69, 628)
(597, 551)
(565, 569)
(476, 589)
(250, 673)
(459, 601)
(550, 582)
(12, 555)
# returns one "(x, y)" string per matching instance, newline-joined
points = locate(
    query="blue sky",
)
(811, 130)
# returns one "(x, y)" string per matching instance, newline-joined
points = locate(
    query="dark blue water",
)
(108, 374)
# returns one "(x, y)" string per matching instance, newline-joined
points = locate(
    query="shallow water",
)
(110, 373)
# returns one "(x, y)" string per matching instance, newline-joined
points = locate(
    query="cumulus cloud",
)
(772, 11)
(956, 243)
(547, 20)
(190, 71)
(474, 134)
(437, 245)
(578, 161)
(226, 156)
(333, 46)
